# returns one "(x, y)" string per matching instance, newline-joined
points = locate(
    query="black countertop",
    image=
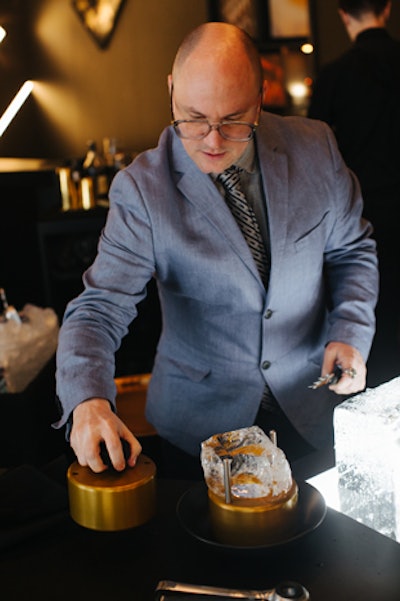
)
(51, 557)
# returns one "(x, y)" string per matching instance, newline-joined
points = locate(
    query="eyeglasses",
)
(197, 129)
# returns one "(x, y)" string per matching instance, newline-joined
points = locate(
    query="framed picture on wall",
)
(289, 18)
(267, 21)
(246, 14)
(99, 17)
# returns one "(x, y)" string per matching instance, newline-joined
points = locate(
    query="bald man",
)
(236, 347)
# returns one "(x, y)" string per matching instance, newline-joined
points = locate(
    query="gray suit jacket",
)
(223, 335)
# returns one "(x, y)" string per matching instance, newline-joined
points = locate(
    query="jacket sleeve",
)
(96, 321)
(351, 264)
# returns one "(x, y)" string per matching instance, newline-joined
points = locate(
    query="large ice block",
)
(367, 449)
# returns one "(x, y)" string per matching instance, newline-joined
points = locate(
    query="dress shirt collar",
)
(246, 162)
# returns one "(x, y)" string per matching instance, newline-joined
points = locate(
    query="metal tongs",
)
(168, 589)
(333, 377)
(227, 461)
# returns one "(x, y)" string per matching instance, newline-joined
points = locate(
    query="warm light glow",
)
(298, 90)
(307, 48)
(3, 33)
(59, 102)
(15, 105)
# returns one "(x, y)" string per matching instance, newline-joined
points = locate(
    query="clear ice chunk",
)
(26, 346)
(258, 468)
(367, 450)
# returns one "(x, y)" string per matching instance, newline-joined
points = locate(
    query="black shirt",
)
(358, 95)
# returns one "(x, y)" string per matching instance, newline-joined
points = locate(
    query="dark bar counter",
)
(52, 557)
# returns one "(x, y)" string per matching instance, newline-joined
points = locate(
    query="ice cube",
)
(258, 467)
(367, 450)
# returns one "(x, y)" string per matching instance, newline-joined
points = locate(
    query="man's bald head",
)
(216, 77)
(219, 44)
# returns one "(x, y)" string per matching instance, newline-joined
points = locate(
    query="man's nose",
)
(214, 137)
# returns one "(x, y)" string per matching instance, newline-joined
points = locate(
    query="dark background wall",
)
(85, 92)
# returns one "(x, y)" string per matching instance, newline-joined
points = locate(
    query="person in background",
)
(358, 95)
(243, 335)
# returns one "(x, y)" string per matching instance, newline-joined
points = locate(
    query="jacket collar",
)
(199, 189)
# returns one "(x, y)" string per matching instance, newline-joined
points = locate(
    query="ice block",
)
(367, 449)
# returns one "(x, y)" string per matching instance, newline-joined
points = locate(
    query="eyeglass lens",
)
(196, 130)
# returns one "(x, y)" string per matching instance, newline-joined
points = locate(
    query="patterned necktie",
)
(246, 219)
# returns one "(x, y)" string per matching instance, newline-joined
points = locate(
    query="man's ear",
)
(169, 81)
(387, 10)
(344, 17)
(264, 92)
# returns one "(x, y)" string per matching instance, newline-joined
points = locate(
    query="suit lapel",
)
(199, 189)
(274, 171)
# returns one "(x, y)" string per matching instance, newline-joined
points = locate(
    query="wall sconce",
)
(3, 33)
(15, 105)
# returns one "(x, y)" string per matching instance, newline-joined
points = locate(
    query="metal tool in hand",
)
(9, 312)
(333, 377)
(169, 590)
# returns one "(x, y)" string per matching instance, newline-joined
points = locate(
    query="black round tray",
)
(193, 514)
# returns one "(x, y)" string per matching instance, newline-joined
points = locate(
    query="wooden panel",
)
(131, 401)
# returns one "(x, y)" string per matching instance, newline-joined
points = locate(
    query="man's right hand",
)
(95, 422)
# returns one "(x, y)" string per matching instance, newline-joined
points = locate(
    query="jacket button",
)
(266, 364)
(268, 314)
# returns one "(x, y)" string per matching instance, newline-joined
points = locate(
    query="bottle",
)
(95, 168)
(109, 151)
(68, 189)
(110, 157)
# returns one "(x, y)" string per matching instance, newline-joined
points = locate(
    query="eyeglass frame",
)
(176, 122)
